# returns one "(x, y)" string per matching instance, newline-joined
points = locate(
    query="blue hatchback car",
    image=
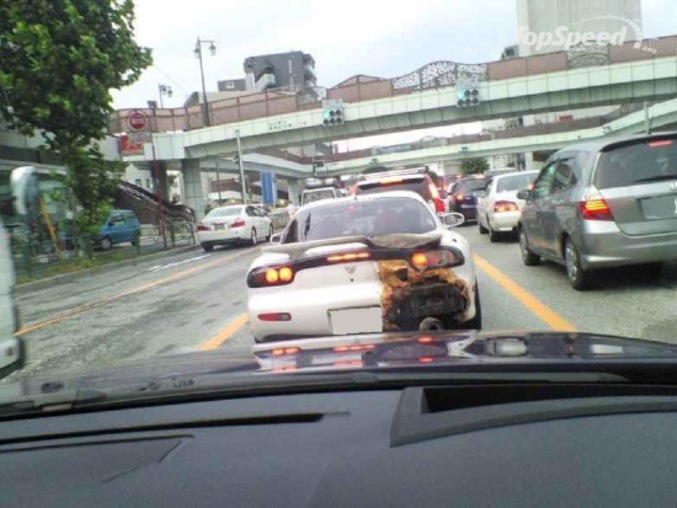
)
(120, 227)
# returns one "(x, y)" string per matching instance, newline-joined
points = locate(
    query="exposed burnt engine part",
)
(411, 295)
(430, 324)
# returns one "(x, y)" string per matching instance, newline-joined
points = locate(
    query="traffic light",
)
(332, 116)
(467, 97)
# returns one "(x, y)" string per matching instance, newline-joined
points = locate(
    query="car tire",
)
(528, 257)
(483, 230)
(208, 247)
(106, 243)
(476, 322)
(253, 239)
(579, 278)
(270, 234)
(494, 236)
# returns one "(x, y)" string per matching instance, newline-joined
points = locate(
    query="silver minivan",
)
(603, 204)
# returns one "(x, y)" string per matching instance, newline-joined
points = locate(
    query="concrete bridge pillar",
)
(195, 193)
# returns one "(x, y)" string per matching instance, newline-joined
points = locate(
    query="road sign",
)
(136, 120)
(140, 137)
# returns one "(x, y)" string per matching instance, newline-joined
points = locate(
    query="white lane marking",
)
(177, 263)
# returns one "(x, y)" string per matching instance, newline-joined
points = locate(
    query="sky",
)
(346, 37)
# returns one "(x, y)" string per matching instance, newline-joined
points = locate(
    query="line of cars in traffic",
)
(386, 258)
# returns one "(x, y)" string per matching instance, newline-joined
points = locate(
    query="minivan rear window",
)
(642, 162)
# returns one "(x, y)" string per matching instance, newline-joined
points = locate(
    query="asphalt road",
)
(197, 301)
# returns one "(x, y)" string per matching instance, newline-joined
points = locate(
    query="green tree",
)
(59, 60)
(474, 166)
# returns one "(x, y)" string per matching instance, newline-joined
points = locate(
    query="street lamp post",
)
(198, 55)
(164, 90)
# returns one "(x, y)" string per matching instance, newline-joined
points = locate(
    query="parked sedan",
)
(498, 208)
(234, 224)
(368, 263)
(604, 204)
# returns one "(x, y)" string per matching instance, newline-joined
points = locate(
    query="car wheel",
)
(493, 235)
(476, 322)
(106, 243)
(208, 247)
(578, 277)
(253, 239)
(270, 234)
(528, 257)
(483, 230)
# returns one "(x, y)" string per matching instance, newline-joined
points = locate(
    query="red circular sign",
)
(136, 120)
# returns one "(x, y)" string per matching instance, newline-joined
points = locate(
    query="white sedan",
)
(367, 263)
(498, 209)
(234, 224)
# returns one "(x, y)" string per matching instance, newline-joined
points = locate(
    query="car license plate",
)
(360, 320)
(219, 227)
(660, 207)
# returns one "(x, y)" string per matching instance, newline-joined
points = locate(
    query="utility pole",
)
(218, 180)
(241, 164)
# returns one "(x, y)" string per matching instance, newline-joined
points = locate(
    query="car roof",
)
(596, 146)
(368, 179)
(364, 197)
(515, 173)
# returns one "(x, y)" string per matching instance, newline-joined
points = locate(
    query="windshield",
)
(515, 183)
(375, 217)
(224, 212)
(312, 196)
(186, 180)
(638, 162)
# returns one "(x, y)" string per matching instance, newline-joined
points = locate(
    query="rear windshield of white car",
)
(643, 162)
(224, 212)
(470, 185)
(369, 218)
(515, 183)
(311, 197)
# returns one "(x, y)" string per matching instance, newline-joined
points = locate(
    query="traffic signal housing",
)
(467, 97)
(332, 116)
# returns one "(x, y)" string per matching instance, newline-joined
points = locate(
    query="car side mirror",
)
(452, 220)
(276, 238)
(524, 194)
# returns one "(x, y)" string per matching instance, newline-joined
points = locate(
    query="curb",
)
(67, 277)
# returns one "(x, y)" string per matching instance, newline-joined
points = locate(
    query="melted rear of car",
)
(638, 181)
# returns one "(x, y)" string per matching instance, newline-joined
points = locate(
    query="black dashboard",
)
(460, 446)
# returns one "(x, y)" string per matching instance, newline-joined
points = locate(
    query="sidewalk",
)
(69, 277)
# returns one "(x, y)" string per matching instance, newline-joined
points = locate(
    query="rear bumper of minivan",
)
(603, 244)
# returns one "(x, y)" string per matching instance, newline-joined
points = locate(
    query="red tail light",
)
(204, 227)
(279, 351)
(271, 276)
(239, 223)
(505, 206)
(439, 205)
(419, 261)
(596, 209)
(458, 196)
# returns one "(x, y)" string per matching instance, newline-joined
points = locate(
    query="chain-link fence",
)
(39, 255)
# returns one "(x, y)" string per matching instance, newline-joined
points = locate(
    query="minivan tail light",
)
(439, 205)
(596, 209)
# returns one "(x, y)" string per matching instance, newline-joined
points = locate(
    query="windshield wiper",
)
(656, 178)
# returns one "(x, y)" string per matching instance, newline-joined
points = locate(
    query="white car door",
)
(484, 203)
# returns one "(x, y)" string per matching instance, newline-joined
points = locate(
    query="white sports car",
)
(498, 209)
(366, 263)
(232, 224)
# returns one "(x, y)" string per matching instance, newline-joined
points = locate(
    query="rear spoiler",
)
(394, 241)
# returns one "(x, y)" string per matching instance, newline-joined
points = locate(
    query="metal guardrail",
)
(37, 258)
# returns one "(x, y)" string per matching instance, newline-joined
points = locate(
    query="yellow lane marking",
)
(543, 312)
(139, 289)
(225, 334)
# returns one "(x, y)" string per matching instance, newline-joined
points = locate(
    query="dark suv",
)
(416, 180)
(463, 196)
